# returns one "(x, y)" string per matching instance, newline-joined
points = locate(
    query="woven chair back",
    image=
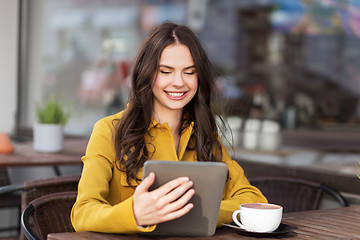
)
(51, 214)
(291, 193)
(41, 187)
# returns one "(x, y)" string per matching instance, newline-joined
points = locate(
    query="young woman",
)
(168, 117)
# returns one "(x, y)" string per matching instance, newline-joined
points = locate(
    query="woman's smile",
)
(176, 95)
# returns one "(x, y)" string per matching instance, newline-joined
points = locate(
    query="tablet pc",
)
(209, 180)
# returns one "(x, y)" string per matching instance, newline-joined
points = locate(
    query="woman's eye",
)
(165, 72)
(189, 73)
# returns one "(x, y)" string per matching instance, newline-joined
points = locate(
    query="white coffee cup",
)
(258, 217)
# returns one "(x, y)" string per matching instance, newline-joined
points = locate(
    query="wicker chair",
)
(37, 188)
(50, 214)
(295, 194)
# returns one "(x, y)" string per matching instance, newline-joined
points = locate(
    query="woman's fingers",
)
(176, 208)
(171, 185)
(179, 213)
(177, 193)
(146, 183)
(180, 203)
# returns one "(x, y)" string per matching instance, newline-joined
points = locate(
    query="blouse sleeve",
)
(237, 191)
(92, 211)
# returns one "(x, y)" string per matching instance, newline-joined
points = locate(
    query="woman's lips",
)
(176, 95)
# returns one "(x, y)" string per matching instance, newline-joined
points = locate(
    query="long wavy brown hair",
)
(130, 146)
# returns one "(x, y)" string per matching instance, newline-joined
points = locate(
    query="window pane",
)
(81, 51)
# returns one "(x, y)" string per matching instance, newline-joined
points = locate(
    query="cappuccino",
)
(261, 206)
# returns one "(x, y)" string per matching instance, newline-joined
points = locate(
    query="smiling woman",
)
(169, 116)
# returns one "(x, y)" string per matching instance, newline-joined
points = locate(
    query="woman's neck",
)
(173, 119)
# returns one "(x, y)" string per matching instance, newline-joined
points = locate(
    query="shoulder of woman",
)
(110, 120)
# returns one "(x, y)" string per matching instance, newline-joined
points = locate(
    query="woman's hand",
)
(165, 203)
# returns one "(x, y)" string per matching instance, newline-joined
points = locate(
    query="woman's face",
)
(176, 80)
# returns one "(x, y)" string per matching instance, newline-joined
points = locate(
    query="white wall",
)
(8, 63)
(8, 78)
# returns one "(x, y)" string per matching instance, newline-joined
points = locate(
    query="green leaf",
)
(52, 112)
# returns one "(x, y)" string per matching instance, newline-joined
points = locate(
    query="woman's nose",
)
(178, 80)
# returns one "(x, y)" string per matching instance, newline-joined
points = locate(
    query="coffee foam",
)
(261, 206)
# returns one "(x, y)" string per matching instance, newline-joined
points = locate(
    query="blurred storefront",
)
(293, 62)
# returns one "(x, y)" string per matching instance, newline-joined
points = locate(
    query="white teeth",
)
(172, 94)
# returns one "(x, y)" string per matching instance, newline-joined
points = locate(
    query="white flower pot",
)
(48, 137)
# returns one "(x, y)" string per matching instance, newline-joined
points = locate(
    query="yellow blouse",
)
(104, 201)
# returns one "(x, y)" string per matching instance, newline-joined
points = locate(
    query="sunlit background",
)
(296, 62)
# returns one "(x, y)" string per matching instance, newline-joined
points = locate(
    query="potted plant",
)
(48, 130)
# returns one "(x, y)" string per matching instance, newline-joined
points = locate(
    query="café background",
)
(252, 85)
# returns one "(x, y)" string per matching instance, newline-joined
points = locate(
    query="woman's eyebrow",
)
(193, 66)
(166, 66)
